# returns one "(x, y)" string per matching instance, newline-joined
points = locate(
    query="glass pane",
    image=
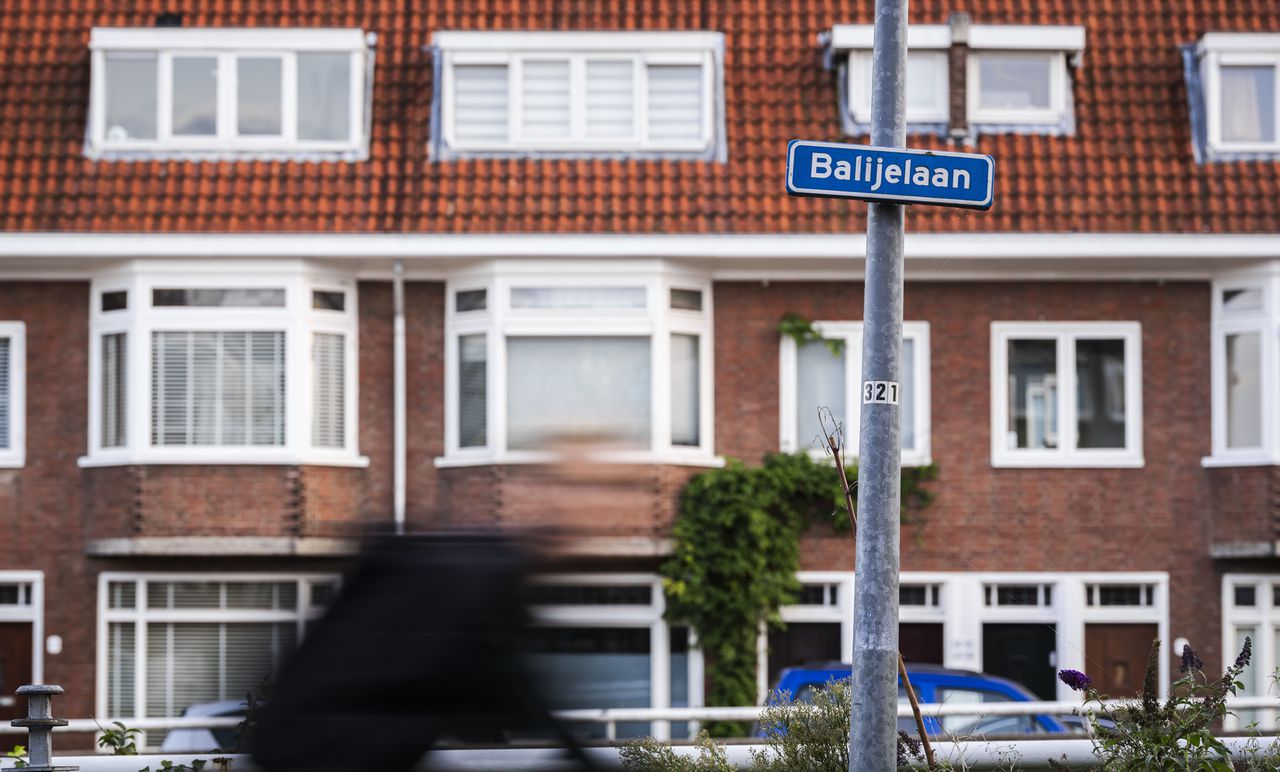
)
(684, 390)
(924, 89)
(324, 96)
(130, 96)
(1245, 595)
(116, 300)
(121, 668)
(328, 381)
(577, 297)
(480, 102)
(195, 96)
(258, 93)
(1249, 676)
(908, 428)
(5, 393)
(679, 652)
(1014, 81)
(470, 300)
(545, 90)
(1244, 390)
(1239, 300)
(1249, 104)
(473, 398)
(1033, 394)
(675, 103)
(577, 388)
(610, 99)
(979, 724)
(686, 299)
(114, 375)
(241, 297)
(328, 300)
(1100, 412)
(588, 595)
(586, 667)
(819, 384)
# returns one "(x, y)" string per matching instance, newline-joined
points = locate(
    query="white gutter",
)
(361, 246)
(398, 410)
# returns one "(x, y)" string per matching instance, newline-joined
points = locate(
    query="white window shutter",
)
(328, 393)
(6, 395)
(610, 98)
(544, 91)
(675, 103)
(480, 102)
(113, 390)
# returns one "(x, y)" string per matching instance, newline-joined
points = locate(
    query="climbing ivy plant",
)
(736, 553)
(802, 331)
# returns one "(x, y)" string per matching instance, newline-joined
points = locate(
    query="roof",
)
(1129, 168)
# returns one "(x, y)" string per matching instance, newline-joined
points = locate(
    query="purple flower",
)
(1190, 660)
(1246, 654)
(1075, 679)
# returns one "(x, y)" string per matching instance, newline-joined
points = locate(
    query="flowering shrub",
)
(1176, 734)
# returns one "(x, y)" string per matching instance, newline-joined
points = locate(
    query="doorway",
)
(1026, 653)
(920, 642)
(803, 642)
(15, 667)
(1116, 656)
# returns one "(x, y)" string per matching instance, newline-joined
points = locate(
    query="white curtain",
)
(819, 384)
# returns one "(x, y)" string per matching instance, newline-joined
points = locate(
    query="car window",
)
(977, 723)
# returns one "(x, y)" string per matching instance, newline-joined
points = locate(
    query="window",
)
(219, 91)
(821, 375)
(926, 86)
(1238, 72)
(1120, 595)
(1040, 595)
(1244, 342)
(1066, 394)
(1017, 87)
(13, 381)
(1250, 609)
(203, 369)
(540, 360)
(579, 92)
(169, 642)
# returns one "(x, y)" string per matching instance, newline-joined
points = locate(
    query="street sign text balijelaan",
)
(891, 176)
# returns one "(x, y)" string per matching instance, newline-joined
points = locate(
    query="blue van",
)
(933, 684)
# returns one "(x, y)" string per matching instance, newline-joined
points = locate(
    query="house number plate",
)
(884, 392)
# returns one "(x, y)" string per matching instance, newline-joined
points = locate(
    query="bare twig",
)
(833, 437)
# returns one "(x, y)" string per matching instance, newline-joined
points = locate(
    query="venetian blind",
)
(113, 390)
(675, 103)
(194, 662)
(610, 98)
(328, 415)
(6, 406)
(217, 388)
(544, 94)
(480, 102)
(121, 662)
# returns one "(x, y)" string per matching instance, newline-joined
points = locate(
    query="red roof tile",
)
(1129, 168)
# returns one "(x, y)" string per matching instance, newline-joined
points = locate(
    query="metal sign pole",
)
(873, 728)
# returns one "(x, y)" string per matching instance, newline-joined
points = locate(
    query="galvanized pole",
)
(873, 729)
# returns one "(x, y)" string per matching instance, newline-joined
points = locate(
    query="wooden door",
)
(15, 667)
(1116, 657)
(801, 643)
(1025, 653)
(921, 642)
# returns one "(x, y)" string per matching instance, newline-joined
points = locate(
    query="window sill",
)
(1041, 462)
(639, 457)
(12, 461)
(244, 459)
(1260, 459)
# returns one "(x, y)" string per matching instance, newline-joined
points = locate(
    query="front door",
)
(920, 642)
(1026, 653)
(1116, 657)
(15, 667)
(803, 642)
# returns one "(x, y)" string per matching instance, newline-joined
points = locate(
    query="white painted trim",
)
(1238, 41)
(33, 613)
(15, 456)
(1240, 52)
(851, 334)
(1264, 322)
(1024, 37)
(1066, 454)
(468, 40)
(193, 248)
(963, 612)
(227, 38)
(1264, 617)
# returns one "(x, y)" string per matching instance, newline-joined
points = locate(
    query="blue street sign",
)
(890, 175)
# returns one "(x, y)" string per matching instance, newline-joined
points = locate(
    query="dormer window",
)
(646, 93)
(228, 92)
(1238, 73)
(971, 78)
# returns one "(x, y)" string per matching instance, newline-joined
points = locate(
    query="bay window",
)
(825, 375)
(1066, 394)
(192, 367)
(192, 91)
(620, 361)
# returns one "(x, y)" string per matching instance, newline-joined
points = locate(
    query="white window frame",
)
(651, 616)
(1266, 323)
(1059, 88)
(297, 320)
(1225, 49)
(140, 616)
(15, 456)
(1264, 617)
(227, 46)
(851, 334)
(32, 613)
(512, 49)
(1066, 454)
(962, 613)
(860, 96)
(657, 322)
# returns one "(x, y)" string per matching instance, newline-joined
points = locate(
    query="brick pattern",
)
(987, 519)
(1246, 504)
(1128, 168)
